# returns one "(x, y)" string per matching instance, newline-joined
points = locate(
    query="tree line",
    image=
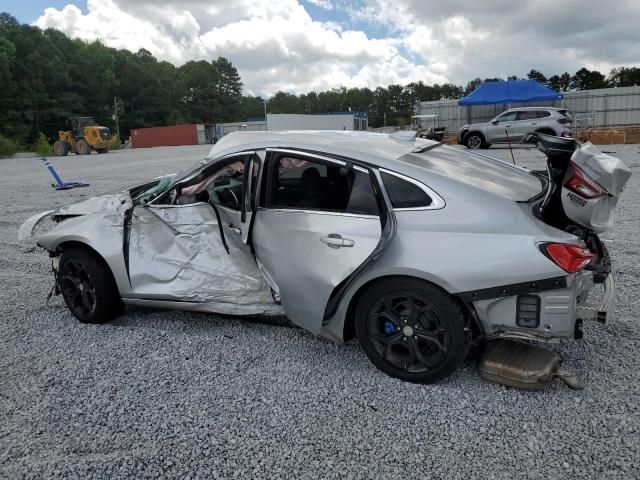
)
(47, 77)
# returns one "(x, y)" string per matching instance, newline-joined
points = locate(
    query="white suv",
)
(513, 124)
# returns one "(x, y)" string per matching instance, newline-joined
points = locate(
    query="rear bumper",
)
(559, 312)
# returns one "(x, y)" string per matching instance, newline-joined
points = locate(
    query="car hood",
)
(110, 202)
(470, 126)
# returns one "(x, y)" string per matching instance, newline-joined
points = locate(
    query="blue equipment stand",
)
(60, 184)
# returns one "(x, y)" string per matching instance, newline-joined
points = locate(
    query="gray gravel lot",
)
(173, 394)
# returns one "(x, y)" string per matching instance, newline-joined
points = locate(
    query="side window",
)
(307, 184)
(219, 183)
(404, 194)
(507, 117)
(527, 115)
(543, 113)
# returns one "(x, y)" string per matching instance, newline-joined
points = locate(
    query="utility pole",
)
(385, 119)
(115, 116)
(266, 127)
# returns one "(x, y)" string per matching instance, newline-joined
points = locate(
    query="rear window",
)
(566, 113)
(404, 194)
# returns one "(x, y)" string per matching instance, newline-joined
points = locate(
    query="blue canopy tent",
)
(512, 91)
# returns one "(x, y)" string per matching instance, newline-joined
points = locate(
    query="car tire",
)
(88, 287)
(411, 330)
(83, 147)
(547, 131)
(474, 140)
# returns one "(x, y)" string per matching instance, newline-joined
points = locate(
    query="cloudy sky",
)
(302, 45)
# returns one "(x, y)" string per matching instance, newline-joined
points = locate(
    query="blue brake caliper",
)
(389, 328)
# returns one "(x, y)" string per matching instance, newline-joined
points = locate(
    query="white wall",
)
(292, 121)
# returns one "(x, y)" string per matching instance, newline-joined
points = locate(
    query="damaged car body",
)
(419, 250)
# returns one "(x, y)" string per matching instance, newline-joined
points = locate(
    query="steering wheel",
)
(227, 189)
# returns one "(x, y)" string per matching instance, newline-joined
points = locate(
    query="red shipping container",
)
(164, 136)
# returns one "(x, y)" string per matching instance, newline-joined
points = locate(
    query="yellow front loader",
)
(83, 137)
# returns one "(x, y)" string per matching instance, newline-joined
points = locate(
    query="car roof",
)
(516, 109)
(376, 148)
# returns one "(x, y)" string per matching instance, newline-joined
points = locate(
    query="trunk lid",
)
(479, 171)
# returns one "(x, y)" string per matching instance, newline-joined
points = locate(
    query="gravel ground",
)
(173, 394)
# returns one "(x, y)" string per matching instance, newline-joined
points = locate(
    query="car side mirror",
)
(495, 122)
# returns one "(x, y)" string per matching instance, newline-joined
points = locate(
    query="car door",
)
(526, 121)
(496, 130)
(318, 221)
(185, 246)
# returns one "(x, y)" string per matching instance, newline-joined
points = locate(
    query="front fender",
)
(103, 232)
(27, 228)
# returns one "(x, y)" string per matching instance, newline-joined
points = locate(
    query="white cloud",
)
(276, 45)
(463, 39)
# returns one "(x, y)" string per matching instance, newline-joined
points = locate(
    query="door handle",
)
(333, 240)
(534, 123)
(234, 229)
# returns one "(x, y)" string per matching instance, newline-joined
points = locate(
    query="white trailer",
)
(329, 121)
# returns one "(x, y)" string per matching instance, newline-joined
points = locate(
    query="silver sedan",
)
(416, 249)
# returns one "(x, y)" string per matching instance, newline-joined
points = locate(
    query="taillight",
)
(564, 121)
(580, 183)
(570, 258)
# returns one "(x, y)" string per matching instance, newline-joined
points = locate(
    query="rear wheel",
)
(88, 287)
(411, 330)
(83, 147)
(546, 131)
(474, 140)
(60, 148)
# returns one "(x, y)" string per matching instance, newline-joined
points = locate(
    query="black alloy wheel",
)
(411, 330)
(88, 287)
(77, 288)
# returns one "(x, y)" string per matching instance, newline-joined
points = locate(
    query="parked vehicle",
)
(427, 126)
(513, 124)
(418, 249)
(85, 135)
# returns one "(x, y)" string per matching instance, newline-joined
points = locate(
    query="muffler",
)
(523, 366)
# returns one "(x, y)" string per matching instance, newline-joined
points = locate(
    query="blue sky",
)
(26, 11)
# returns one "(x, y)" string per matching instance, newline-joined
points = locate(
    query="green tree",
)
(624, 77)
(537, 76)
(585, 79)
(472, 85)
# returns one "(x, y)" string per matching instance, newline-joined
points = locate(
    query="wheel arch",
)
(483, 137)
(546, 130)
(349, 324)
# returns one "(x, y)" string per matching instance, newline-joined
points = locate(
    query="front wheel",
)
(411, 330)
(474, 141)
(83, 147)
(88, 287)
